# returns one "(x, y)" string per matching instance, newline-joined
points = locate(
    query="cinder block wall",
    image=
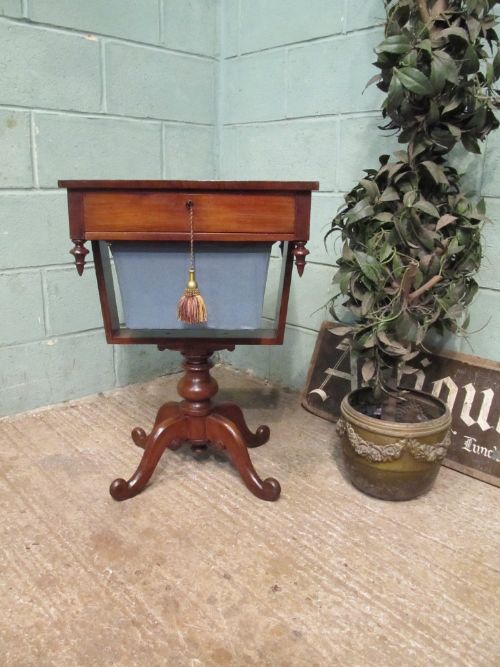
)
(136, 89)
(88, 89)
(293, 108)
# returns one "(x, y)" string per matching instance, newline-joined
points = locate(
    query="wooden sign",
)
(469, 385)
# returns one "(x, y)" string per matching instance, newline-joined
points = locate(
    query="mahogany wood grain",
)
(153, 211)
(234, 413)
(105, 286)
(217, 237)
(283, 292)
(247, 186)
(75, 211)
(166, 338)
(302, 215)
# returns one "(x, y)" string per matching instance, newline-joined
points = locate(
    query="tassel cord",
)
(190, 206)
(191, 307)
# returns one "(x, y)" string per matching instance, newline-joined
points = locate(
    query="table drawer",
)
(153, 211)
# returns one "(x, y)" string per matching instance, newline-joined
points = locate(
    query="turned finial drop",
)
(79, 252)
(300, 253)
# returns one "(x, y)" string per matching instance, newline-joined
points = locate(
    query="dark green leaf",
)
(408, 370)
(366, 341)
(368, 370)
(418, 279)
(375, 79)
(445, 220)
(446, 65)
(387, 253)
(452, 105)
(363, 209)
(410, 59)
(395, 44)
(414, 80)
(367, 303)
(427, 207)
(410, 198)
(470, 64)
(340, 331)
(402, 156)
(470, 144)
(390, 343)
(389, 194)
(443, 137)
(384, 216)
(453, 248)
(343, 277)
(438, 77)
(478, 120)
(425, 45)
(496, 64)
(455, 31)
(371, 188)
(369, 266)
(454, 130)
(436, 171)
(433, 115)
(391, 168)
(406, 327)
(474, 27)
(347, 253)
(395, 94)
(490, 74)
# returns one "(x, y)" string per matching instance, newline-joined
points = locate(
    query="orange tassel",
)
(191, 307)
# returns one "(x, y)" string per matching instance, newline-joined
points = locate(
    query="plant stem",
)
(423, 288)
(424, 11)
(440, 6)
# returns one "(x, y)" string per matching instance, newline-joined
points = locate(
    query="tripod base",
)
(199, 422)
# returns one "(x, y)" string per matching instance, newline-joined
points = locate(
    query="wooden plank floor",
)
(196, 571)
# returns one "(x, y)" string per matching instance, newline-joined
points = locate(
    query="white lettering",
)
(468, 442)
(470, 445)
(482, 419)
(452, 390)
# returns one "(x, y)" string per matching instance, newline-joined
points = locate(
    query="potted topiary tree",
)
(412, 236)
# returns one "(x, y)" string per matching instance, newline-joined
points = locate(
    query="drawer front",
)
(150, 212)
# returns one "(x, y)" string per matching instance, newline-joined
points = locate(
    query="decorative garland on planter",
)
(377, 453)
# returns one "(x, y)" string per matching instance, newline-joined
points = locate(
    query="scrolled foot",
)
(139, 436)
(271, 489)
(165, 434)
(234, 413)
(167, 411)
(225, 434)
(260, 437)
(119, 489)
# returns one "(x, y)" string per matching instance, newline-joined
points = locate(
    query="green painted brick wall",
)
(193, 89)
(293, 107)
(88, 89)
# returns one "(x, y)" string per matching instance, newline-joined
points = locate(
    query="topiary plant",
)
(411, 235)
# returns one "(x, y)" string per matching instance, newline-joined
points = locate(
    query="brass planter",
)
(393, 460)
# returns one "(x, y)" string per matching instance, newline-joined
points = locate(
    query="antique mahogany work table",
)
(153, 218)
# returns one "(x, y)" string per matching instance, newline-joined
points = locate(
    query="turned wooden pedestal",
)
(198, 421)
